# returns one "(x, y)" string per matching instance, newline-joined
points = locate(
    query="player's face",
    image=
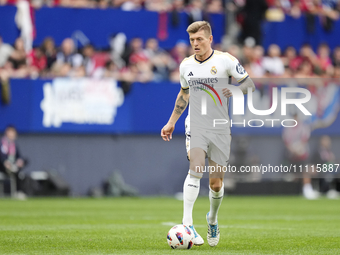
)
(200, 43)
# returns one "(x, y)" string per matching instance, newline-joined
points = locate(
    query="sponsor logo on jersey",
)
(213, 70)
(205, 87)
(190, 74)
(240, 69)
(200, 81)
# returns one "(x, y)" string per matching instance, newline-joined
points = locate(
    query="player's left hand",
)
(226, 92)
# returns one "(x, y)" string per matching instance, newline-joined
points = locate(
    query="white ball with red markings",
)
(180, 237)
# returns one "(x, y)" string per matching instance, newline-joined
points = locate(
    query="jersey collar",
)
(201, 62)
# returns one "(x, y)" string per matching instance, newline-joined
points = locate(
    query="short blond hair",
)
(198, 26)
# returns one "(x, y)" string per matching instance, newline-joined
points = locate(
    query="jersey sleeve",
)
(183, 81)
(236, 70)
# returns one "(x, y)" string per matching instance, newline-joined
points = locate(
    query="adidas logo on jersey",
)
(190, 74)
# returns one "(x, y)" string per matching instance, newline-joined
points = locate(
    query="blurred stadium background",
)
(89, 84)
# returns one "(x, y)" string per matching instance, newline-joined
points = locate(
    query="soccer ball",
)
(180, 237)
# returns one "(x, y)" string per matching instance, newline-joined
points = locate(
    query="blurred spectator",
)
(325, 9)
(16, 65)
(160, 59)
(158, 5)
(236, 51)
(88, 60)
(289, 56)
(38, 3)
(117, 3)
(285, 5)
(103, 4)
(137, 53)
(75, 3)
(336, 73)
(11, 161)
(247, 54)
(174, 75)
(336, 57)
(215, 6)
(67, 54)
(68, 63)
(323, 58)
(63, 70)
(325, 156)
(330, 4)
(255, 67)
(132, 5)
(38, 61)
(140, 72)
(180, 51)
(297, 151)
(295, 10)
(306, 54)
(18, 56)
(310, 6)
(177, 7)
(196, 11)
(254, 11)
(48, 46)
(152, 48)
(110, 70)
(6, 51)
(217, 46)
(305, 70)
(273, 63)
(330, 12)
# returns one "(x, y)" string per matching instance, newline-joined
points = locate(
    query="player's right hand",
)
(166, 132)
(226, 92)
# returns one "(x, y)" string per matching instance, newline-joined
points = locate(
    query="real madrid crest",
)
(213, 70)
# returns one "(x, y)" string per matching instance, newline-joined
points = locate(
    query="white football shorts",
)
(217, 146)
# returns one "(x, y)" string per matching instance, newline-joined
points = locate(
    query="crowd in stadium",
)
(213, 6)
(146, 61)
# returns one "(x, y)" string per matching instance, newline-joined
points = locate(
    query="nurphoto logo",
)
(287, 97)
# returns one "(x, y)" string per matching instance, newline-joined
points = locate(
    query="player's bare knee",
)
(197, 165)
(216, 184)
(216, 187)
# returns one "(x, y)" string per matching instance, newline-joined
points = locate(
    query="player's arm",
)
(181, 104)
(237, 71)
(248, 83)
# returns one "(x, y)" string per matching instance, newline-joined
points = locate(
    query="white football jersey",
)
(206, 79)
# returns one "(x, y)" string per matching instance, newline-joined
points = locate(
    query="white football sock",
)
(215, 202)
(191, 188)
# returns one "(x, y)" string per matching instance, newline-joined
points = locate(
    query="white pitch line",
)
(226, 226)
(169, 223)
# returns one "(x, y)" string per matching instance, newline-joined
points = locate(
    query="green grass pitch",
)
(249, 225)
